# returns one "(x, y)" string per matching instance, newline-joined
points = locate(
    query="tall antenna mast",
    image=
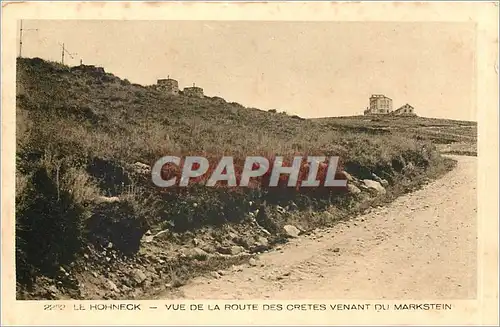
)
(63, 51)
(21, 37)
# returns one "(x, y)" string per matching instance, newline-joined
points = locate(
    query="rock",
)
(64, 271)
(232, 235)
(291, 231)
(374, 185)
(252, 262)
(113, 287)
(346, 175)
(94, 274)
(52, 289)
(148, 238)
(376, 178)
(384, 182)
(110, 245)
(261, 244)
(336, 250)
(280, 209)
(163, 232)
(224, 250)
(215, 274)
(236, 249)
(265, 231)
(196, 242)
(261, 240)
(208, 248)
(105, 199)
(138, 276)
(353, 189)
(148, 232)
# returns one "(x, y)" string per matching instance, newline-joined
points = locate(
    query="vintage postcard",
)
(190, 163)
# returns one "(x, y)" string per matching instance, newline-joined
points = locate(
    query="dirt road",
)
(422, 246)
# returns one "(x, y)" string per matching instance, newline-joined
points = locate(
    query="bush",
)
(49, 221)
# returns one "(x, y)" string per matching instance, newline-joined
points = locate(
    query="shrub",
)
(50, 214)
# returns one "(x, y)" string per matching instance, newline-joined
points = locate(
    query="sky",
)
(312, 69)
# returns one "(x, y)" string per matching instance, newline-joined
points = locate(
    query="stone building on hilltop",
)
(193, 91)
(379, 104)
(405, 110)
(168, 85)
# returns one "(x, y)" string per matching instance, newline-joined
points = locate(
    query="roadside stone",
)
(105, 199)
(374, 185)
(138, 276)
(260, 245)
(353, 189)
(236, 249)
(148, 238)
(291, 231)
(261, 240)
(265, 231)
(280, 209)
(233, 235)
(208, 248)
(52, 289)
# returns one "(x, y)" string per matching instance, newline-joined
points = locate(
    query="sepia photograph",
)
(256, 160)
(99, 102)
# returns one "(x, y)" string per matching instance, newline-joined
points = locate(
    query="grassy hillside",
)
(80, 131)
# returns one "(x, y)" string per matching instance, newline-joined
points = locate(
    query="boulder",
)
(376, 178)
(374, 185)
(138, 276)
(236, 249)
(291, 231)
(105, 199)
(261, 240)
(353, 189)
